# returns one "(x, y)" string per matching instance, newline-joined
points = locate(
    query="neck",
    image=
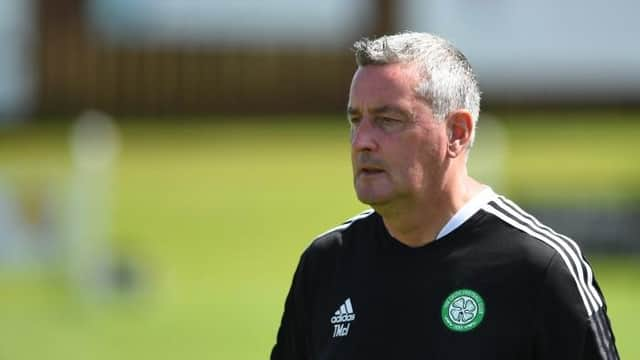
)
(417, 222)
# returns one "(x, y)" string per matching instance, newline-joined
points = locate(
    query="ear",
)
(460, 128)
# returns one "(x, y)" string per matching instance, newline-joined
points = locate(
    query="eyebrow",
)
(380, 110)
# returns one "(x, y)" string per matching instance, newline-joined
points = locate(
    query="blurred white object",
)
(95, 142)
(17, 71)
(14, 233)
(95, 145)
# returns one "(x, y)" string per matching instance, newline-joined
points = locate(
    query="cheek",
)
(416, 173)
(435, 146)
(419, 157)
(430, 158)
(416, 163)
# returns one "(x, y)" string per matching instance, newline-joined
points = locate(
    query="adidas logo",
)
(342, 318)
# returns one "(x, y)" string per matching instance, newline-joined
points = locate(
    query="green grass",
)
(216, 214)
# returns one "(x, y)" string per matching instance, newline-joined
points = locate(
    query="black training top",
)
(499, 286)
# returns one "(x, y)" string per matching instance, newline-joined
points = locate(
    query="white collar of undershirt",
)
(471, 207)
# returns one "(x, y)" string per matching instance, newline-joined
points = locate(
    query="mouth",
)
(370, 171)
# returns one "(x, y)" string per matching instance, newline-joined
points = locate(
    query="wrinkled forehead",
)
(383, 83)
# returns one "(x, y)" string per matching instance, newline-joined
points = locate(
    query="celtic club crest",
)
(463, 310)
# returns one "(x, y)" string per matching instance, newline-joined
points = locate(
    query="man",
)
(442, 267)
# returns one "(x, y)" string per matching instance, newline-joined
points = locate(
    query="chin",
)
(374, 193)
(372, 200)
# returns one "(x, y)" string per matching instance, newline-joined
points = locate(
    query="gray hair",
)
(448, 82)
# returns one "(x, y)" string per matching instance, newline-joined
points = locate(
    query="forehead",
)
(378, 84)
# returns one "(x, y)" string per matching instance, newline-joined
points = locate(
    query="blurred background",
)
(164, 163)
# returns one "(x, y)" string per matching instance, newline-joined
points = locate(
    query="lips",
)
(370, 170)
(367, 164)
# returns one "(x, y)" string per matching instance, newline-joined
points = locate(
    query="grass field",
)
(215, 215)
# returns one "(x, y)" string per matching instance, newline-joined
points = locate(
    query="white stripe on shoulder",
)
(525, 218)
(347, 223)
(501, 214)
(579, 260)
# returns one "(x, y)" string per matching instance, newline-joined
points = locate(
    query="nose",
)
(363, 136)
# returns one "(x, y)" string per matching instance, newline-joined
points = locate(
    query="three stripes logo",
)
(342, 319)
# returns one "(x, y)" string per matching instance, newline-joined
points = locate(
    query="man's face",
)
(398, 149)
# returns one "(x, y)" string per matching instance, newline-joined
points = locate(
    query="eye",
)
(354, 121)
(386, 121)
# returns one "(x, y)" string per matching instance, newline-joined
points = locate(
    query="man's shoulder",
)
(531, 236)
(336, 244)
(568, 276)
(342, 234)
